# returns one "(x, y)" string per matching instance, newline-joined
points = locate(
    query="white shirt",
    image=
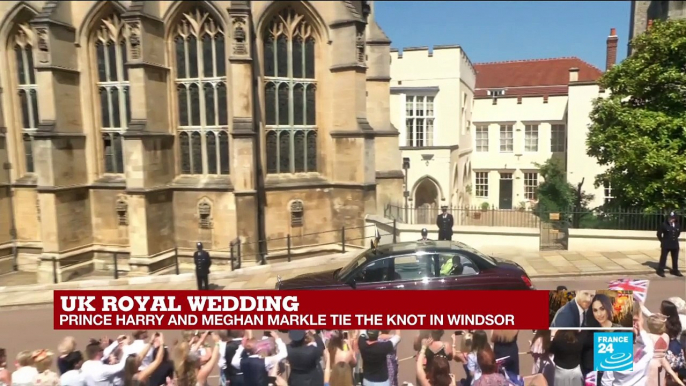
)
(639, 375)
(24, 376)
(222, 360)
(473, 366)
(581, 314)
(72, 378)
(133, 349)
(269, 362)
(96, 373)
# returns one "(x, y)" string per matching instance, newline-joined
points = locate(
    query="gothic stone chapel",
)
(138, 128)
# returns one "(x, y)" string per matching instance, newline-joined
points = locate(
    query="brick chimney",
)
(611, 58)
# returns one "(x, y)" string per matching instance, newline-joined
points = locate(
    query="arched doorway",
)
(426, 197)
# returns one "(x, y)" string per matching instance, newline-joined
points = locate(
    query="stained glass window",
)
(224, 152)
(290, 94)
(185, 145)
(200, 52)
(26, 90)
(113, 89)
(312, 150)
(196, 153)
(299, 144)
(211, 152)
(28, 152)
(272, 152)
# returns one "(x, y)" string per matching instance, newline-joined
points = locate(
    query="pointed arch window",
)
(113, 90)
(202, 100)
(290, 94)
(27, 91)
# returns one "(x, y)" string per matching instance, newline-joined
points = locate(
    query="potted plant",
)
(468, 189)
(485, 206)
(522, 206)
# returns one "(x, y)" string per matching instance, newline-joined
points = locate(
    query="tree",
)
(556, 194)
(638, 131)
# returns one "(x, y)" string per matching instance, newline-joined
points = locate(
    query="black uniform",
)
(202, 268)
(668, 234)
(445, 223)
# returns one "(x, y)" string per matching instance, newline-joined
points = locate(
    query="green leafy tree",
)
(637, 132)
(556, 194)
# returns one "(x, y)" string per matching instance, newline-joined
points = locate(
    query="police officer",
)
(668, 234)
(202, 262)
(425, 235)
(445, 223)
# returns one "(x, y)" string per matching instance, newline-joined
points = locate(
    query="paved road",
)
(32, 328)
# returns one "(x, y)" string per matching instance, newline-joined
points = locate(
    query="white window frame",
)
(531, 138)
(420, 120)
(506, 139)
(558, 138)
(531, 181)
(481, 139)
(607, 192)
(481, 184)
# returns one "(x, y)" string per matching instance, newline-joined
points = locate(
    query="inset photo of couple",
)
(591, 309)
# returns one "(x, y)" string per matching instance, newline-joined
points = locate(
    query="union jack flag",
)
(591, 379)
(639, 287)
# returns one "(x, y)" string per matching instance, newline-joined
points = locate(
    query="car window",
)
(456, 264)
(406, 267)
(412, 267)
(376, 271)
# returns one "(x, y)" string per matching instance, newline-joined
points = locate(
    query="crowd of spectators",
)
(351, 358)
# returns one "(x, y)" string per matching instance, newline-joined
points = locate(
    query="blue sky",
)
(491, 31)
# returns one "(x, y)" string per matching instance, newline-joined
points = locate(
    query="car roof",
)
(416, 246)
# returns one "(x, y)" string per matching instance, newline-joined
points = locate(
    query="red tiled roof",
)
(531, 77)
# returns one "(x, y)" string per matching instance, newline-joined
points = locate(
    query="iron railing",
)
(597, 218)
(465, 216)
(279, 248)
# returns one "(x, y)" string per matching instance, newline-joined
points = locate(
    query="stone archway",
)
(426, 201)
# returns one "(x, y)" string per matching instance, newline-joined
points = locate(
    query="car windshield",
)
(356, 262)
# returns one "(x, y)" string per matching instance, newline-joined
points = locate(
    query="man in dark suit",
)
(668, 234)
(573, 314)
(445, 223)
(203, 262)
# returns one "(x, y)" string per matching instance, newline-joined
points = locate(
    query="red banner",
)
(271, 309)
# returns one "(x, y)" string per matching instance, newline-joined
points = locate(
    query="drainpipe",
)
(261, 196)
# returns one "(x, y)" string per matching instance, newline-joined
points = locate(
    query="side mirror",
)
(352, 283)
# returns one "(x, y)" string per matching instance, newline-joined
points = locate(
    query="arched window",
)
(22, 41)
(290, 94)
(113, 90)
(200, 61)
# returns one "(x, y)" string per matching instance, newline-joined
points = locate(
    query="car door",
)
(411, 271)
(458, 270)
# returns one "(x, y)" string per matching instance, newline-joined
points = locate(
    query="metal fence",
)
(466, 216)
(598, 218)
(634, 219)
(284, 248)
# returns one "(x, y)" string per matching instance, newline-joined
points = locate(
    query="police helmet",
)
(425, 232)
(199, 245)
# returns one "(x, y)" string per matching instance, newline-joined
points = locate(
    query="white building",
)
(432, 96)
(493, 123)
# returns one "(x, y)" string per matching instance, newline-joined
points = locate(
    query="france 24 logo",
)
(613, 351)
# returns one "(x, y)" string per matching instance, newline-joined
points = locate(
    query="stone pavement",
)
(537, 264)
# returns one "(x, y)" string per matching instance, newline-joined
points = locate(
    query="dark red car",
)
(431, 265)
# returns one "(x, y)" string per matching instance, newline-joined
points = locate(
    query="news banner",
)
(96, 310)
